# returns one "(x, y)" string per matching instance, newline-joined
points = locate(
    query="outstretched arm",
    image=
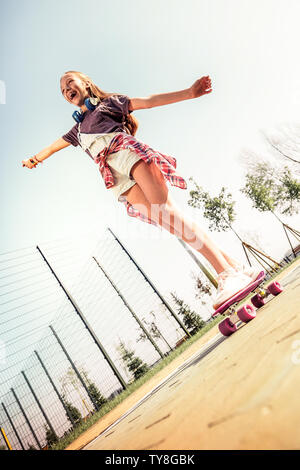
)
(45, 153)
(199, 88)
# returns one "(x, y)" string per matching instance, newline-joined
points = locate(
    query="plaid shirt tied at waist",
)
(166, 164)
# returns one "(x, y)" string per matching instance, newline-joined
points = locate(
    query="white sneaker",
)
(250, 271)
(230, 282)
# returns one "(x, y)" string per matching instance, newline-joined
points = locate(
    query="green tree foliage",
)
(153, 331)
(218, 210)
(96, 396)
(260, 187)
(271, 190)
(133, 363)
(290, 193)
(72, 379)
(51, 436)
(138, 367)
(73, 412)
(31, 447)
(191, 319)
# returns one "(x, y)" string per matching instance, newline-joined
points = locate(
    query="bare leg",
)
(231, 261)
(151, 197)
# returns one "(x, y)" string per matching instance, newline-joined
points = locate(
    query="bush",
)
(97, 398)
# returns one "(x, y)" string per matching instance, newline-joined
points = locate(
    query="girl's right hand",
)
(29, 163)
(201, 87)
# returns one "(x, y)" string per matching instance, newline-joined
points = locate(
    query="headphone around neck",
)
(90, 103)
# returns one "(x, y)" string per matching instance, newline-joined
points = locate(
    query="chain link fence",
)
(70, 328)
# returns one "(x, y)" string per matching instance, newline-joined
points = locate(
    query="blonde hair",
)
(131, 122)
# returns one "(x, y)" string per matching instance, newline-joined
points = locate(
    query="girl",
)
(137, 174)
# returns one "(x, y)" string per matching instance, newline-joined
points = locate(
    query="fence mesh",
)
(66, 322)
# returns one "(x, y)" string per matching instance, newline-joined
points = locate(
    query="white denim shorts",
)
(120, 164)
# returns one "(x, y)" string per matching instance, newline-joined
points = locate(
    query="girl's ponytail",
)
(131, 123)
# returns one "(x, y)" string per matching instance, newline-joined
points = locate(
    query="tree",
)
(191, 319)
(153, 331)
(133, 363)
(275, 191)
(261, 188)
(96, 396)
(290, 193)
(271, 190)
(202, 288)
(31, 447)
(253, 237)
(284, 144)
(71, 378)
(218, 210)
(73, 412)
(51, 437)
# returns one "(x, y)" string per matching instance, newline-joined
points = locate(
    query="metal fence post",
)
(38, 402)
(55, 389)
(26, 418)
(152, 285)
(87, 325)
(12, 425)
(73, 366)
(132, 312)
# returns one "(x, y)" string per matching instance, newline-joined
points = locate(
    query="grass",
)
(82, 427)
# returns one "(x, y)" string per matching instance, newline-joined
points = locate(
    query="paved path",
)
(240, 392)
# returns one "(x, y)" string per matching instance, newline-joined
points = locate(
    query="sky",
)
(138, 48)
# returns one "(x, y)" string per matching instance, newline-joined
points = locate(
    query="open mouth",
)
(72, 95)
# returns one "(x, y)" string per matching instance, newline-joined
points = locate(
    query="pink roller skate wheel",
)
(258, 301)
(226, 327)
(274, 288)
(246, 313)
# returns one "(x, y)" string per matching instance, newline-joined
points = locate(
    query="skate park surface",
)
(239, 392)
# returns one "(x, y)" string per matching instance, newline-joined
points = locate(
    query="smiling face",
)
(73, 89)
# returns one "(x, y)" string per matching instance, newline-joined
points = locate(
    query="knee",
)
(160, 200)
(162, 205)
(165, 211)
(167, 204)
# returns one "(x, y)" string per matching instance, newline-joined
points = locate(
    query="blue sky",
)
(138, 48)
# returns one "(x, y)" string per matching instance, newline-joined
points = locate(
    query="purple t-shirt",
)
(108, 116)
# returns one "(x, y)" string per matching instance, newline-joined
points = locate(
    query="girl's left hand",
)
(29, 163)
(201, 87)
